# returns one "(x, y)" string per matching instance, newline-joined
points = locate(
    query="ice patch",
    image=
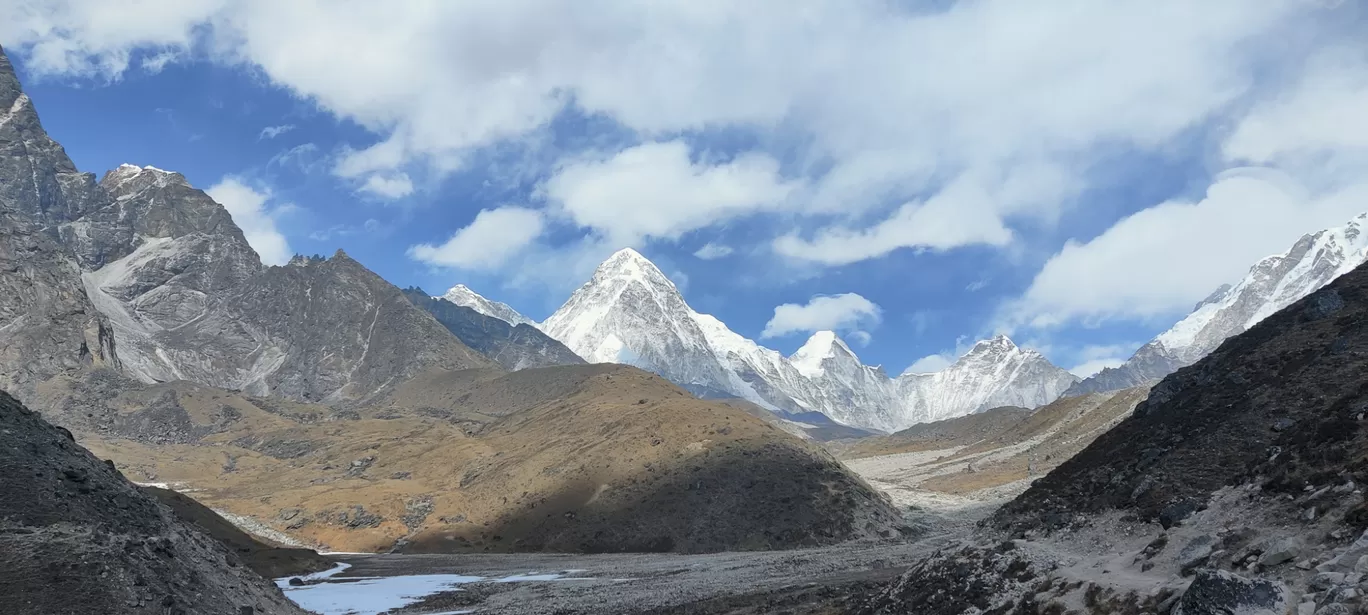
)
(326, 594)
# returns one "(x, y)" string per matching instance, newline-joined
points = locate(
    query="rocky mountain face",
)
(1234, 487)
(629, 312)
(513, 347)
(77, 538)
(47, 326)
(461, 295)
(1271, 285)
(143, 272)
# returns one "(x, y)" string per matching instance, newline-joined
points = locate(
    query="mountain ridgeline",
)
(1272, 284)
(629, 312)
(513, 346)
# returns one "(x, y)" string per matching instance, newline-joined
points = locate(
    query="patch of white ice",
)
(326, 595)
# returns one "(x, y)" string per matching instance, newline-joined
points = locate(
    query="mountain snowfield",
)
(461, 295)
(1272, 284)
(629, 312)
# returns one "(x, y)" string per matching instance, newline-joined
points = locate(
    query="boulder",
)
(1217, 592)
(1279, 551)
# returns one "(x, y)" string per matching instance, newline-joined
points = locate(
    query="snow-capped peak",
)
(630, 312)
(1273, 283)
(146, 176)
(821, 346)
(630, 264)
(461, 294)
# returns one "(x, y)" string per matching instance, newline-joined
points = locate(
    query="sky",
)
(914, 175)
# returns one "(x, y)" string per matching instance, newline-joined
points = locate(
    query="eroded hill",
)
(571, 458)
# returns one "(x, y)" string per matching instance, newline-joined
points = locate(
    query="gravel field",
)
(633, 583)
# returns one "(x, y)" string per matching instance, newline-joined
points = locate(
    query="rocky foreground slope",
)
(1235, 487)
(77, 538)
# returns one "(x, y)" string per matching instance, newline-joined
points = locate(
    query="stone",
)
(1325, 580)
(1217, 592)
(1282, 424)
(1334, 609)
(1196, 553)
(1279, 551)
(1361, 566)
(296, 582)
(1175, 513)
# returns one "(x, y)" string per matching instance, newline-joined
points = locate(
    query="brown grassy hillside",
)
(572, 458)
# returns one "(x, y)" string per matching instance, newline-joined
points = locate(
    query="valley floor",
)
(529, 584)
(806, 580)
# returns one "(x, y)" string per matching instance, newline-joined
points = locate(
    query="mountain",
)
(513, 347)
(47, 325)
(461, 295)
(143, 272)
(77, 537)
(1235, 486)
(1271, 285)
(994, 373)
(629, 312)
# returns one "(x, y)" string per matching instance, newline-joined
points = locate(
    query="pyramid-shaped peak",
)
(821, 346)
(628, 263)
(626, 257)
(993, 347)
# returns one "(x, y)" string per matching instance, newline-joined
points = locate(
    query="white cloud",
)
(250, 212)
(271, 132)
(823, 313)
(713, 251)
(655, 190)
(389, 187)
(487, 242)
(875, 103)
(1158, 262)
(862, 338)
(931, 363)
(1094, 358)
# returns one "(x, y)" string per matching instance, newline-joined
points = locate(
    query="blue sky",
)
(1074, 174)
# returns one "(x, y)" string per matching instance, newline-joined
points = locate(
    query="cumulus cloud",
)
(271, 132)
(388, 187)
(931, 363)
(251, 212)
(654, 190)
(844, 312)
(1159, 261)
(713, 251)
(877, 105)
(1094, 358)
(487, 242)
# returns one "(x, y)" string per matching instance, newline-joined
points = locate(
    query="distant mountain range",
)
(629, 312)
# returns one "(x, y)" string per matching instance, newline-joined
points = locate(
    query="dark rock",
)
(106, 543)
(1282, 424)
(1175, 513)
(296, 582)
(1217, 592)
